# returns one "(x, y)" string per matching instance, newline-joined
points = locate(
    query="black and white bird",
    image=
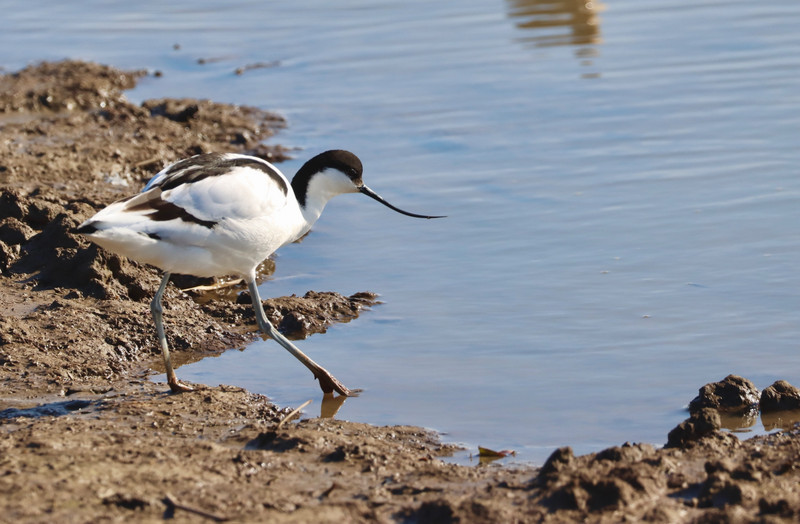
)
(221, 214)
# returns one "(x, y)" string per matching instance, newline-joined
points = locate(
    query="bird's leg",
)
(327, 382)
(156, 309)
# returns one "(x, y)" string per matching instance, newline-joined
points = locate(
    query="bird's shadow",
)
(50, 409)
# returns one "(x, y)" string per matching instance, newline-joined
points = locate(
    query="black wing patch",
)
(208, 165)
(160, 210)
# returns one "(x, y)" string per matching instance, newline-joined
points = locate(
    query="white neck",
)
(322, 187)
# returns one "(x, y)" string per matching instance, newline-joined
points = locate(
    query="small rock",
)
(176, 110)
(14, 232)
(556, 463)
(431, 511)
(295, 325)
(700, 424)
(337, 455)
(719, 491)
(627, 452)
(778, 507)
(8, 254)
(780, 396)
(11, 204)
(608, 493)
(733, 393)
(724, 465)
(558, 460)
(40, 212)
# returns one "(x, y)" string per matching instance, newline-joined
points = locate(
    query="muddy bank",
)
(85, 436)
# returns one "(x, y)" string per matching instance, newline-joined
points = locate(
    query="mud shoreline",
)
(85, 436)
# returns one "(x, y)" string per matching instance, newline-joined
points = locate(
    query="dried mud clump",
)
(300, 317)
(91, 144)
(780, 396)
(54, 256)
(732, 394)
(240, 126)
(65, 86)
(735, 403)
(565, 486)
(700, 424)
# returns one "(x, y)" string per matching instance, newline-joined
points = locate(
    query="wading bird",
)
(220, 214)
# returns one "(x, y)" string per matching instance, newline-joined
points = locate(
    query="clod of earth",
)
(780, 396)
(732, 394)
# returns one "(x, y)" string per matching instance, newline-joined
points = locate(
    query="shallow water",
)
(620, 188)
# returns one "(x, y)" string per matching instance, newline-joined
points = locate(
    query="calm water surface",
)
(620, 180)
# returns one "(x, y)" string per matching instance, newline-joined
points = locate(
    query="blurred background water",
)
(620, 180)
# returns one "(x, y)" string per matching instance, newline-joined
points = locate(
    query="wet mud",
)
(85, 436)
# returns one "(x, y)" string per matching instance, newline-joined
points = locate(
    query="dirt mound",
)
(299, 317)
(732, 394)
(65, 86)
(780, 396)
(91, 144)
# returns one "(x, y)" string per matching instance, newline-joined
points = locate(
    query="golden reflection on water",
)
(745, 422)
(784, 420)
(557, 22)
(739, 422)
(330, 405)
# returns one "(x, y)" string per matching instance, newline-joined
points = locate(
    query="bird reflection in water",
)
(549, 18)
(560, 23)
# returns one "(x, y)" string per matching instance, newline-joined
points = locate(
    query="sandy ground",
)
(86, 437)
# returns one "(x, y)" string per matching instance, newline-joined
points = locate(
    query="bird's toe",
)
(179, 387)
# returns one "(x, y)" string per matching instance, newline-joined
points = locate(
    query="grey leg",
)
(327, 382)
(157, 310)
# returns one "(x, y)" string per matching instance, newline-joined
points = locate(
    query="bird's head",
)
(336, 172)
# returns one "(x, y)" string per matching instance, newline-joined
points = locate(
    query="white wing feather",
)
(244, 193)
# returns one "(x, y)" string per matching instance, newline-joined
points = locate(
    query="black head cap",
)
(344, 161)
